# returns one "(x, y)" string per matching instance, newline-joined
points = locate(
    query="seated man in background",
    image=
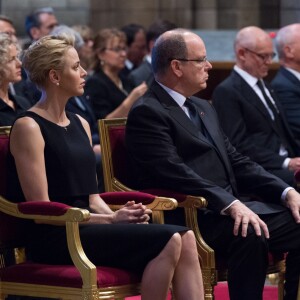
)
(249, 112)
(287, 81)
(7, 26)
(136, 47)
(40, 23)
(175, 142)
(143, 73)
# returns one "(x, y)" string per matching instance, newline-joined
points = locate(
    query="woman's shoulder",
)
(25, 124)
(25, 131)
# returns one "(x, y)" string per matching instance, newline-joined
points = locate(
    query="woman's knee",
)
(189, 242)
(173, 247)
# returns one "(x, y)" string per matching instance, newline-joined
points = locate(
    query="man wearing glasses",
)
(7, 26)
(287, 80)
(175, 142)
(40, 23)
(249, 111)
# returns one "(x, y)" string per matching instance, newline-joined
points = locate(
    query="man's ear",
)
(240, 53)
(288, 52)
(54, 76)
(176, 67)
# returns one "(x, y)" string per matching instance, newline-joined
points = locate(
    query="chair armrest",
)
(115, 200)
(54, 211)
(42, 210)
(185, 201)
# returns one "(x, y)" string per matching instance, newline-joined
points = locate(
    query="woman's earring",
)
(57, 83)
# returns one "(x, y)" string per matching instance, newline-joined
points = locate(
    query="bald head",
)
(251, 37)
(285, 37)
(254, 51)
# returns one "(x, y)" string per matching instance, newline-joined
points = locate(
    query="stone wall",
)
(290, 12)
(201, 14)
(68, 12)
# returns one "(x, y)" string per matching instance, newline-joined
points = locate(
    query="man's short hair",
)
(33, 20)
(166, 49)
(6, 19)
(131, 30)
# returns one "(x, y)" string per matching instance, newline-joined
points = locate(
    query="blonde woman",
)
(54, 147)
(10, 72)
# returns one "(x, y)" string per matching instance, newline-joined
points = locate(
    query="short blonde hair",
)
(44, 55)
(5, 42)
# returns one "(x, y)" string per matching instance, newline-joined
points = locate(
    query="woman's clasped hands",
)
(132, 212)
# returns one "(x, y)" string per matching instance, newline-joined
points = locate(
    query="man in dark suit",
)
(136, 47)
(287, 81)
(175, 142)
(249, 111)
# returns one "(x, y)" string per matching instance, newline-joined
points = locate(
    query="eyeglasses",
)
(117, 49)
(10, 33)
(199, 60)
(263, 57)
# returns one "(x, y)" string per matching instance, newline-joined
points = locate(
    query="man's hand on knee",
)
(243, 216)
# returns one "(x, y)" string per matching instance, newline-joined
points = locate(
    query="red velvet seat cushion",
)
(120, 198)
(64, 276)
(43, 208)
(166, 193)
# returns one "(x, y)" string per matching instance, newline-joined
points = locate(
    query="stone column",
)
(290, 12)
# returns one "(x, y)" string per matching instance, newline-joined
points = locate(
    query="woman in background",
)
(110, 96)
(10, 72)
(54, 147)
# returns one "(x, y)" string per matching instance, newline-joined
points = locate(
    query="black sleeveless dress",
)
(70, 170)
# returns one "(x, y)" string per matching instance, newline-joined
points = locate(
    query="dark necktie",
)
(277, 119)
(194, 115)
(195, 118)
(271, 105)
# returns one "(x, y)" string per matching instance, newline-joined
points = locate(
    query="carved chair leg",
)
(281, 277)
(298, 297)
(209, 281)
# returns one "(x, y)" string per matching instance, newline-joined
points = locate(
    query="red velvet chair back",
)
(12, 230)
(119, 154)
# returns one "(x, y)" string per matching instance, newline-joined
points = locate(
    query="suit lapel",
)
(242, 86)
(290, 76)
(176, 111)
(251, 97)
(183, 120)
(209, 122)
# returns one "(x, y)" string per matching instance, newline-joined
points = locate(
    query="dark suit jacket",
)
(247, 123)
(83, 107)
(167, 151)
(142, 73)
(104, 95)
(7, 114)
(287, 88)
